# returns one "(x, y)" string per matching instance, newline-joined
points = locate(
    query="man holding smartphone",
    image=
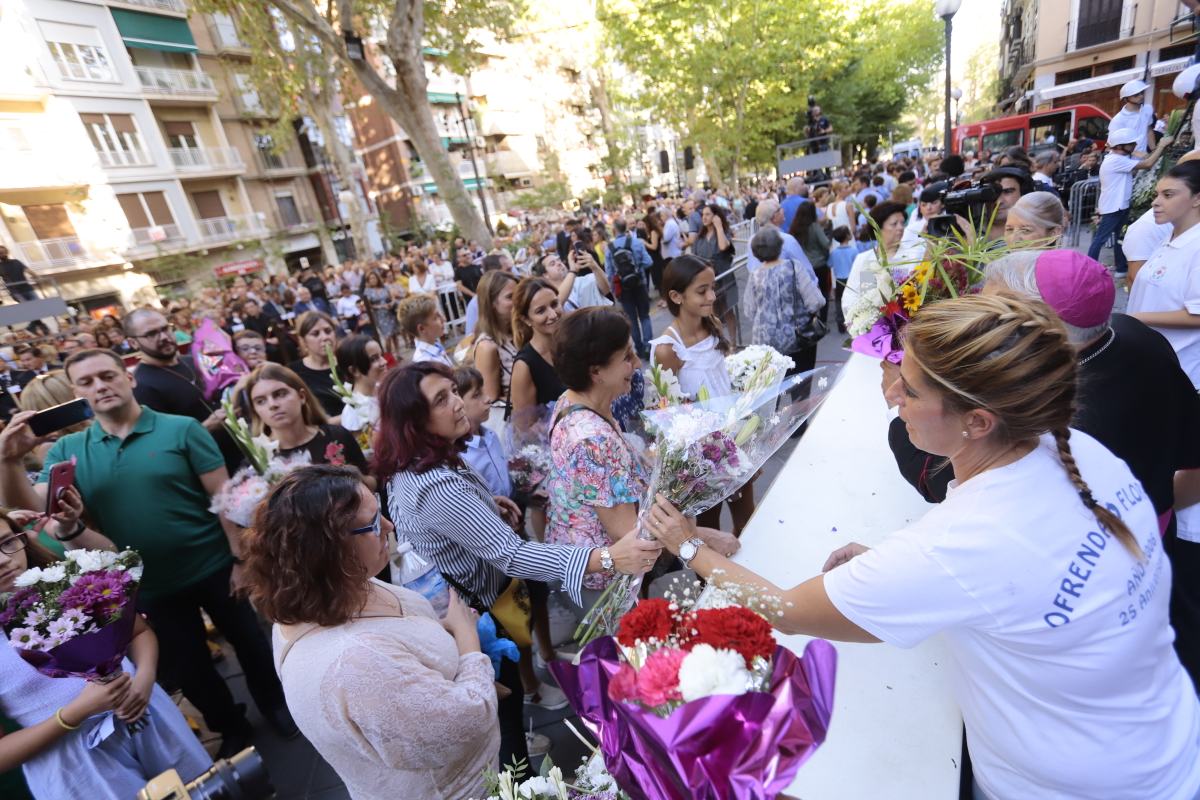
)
(585, 285)
(147, 481)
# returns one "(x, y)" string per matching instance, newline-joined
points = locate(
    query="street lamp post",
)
(957, 94)
(946, 9)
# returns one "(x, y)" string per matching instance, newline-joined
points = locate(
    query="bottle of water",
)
(418, 575)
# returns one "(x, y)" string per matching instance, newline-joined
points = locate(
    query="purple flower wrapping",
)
(882, 341)
(724, 747)
(92, 655)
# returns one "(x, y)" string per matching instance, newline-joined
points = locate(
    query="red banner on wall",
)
(237, 268)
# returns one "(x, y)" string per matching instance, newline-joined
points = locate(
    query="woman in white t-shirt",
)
(1166, 292)
(1043, 570)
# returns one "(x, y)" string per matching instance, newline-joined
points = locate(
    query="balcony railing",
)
(275, 162)
(124, 158)
(220, 158)
(156, 235)
(225, 229)
(176, 82)
(61, 252)
(178, 6)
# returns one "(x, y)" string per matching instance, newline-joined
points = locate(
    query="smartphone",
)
(62, 475)
(58, 417)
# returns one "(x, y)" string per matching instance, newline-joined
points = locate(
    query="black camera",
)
(963, 201)
(243, 777)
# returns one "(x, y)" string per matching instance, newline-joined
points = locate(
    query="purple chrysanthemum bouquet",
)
(75, 617)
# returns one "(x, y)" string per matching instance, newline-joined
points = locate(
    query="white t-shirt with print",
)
(1062, 661)
(1116, 182)
(1170, 281)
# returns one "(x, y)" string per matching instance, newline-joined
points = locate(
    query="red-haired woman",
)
(444, 508)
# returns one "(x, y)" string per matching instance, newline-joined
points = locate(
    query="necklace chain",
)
(1112, 337)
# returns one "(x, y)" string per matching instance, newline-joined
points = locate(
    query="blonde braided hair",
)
(1011, 356)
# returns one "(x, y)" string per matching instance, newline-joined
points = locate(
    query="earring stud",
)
(966, 435)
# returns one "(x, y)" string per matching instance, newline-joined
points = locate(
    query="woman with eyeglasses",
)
(448, 514)
(61, 747)
(400, 703)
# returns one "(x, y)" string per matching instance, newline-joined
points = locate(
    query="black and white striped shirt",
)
(449, 516)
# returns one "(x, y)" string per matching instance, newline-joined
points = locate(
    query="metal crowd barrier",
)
(1082, 203)
(454, 309)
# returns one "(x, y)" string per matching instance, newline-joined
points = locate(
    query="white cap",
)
(1185, 82)
(1122, 136)
(1133, 87)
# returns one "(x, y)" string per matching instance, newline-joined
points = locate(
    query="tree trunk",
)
(713, 168)
(600, 92)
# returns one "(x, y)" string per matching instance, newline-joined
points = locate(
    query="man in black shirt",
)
(1134, 398)
(170, 385)
(17, 277)
(466, 274)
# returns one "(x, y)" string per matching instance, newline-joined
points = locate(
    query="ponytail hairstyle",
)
(678, 276)
(1012, 357)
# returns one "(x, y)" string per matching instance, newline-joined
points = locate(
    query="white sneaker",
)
(548, 697)
(536, 743)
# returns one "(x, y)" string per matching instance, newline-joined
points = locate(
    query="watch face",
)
(687, 551)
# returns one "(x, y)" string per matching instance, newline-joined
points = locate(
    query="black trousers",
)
(1185, 601)
(511, 711)
(184, 659)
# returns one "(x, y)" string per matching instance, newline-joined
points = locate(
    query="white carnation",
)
(28, 578)
(53, 573)
(88, 560)
(707, 671)
(537, 787)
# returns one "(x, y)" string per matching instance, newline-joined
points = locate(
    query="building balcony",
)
(176, 83)
(229, 229)
(66, 251)
(156, 236)
(169, 6)
(508, 163)
(80, 71)
(124, 158)
(277, 165)
(206, 159)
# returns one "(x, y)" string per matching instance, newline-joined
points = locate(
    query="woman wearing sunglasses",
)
(59, 717)
(399, 703)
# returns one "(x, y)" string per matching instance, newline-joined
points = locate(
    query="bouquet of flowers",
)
(242, 493)
(360, 414)
(217, 363)
(75, 618)
(694, 699)
(953, 266)
(591, 781)
(527, 443)
(746, 363)
(662, 388)
(707, 450)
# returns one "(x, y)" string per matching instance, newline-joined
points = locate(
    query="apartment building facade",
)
(134, 159)
(1057, 53)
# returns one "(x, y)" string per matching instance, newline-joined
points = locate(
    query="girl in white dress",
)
(694, 347)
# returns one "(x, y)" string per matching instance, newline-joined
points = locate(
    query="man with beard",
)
(171, 385)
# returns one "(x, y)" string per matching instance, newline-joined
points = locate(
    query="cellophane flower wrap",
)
(526, 442)
(249, 486)
(217, 363)
(707, 450)
(748, 364)
(698, 701)
(75, 617)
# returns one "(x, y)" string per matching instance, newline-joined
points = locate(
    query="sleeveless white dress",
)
(703, 364)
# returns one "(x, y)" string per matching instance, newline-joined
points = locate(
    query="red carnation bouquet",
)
(694, 699)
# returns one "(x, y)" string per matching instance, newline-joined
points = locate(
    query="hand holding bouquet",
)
(75, 618)
(527, 443)
(242, 493)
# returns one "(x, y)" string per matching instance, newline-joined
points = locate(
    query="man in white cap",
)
(1134, 115)
(1116, 187)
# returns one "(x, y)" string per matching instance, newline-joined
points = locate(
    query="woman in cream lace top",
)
(399, 703)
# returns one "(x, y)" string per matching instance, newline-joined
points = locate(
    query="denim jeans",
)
(636, 303)
(1110, 224)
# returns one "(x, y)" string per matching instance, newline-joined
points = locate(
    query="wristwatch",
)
(689, 549)
(606, 561)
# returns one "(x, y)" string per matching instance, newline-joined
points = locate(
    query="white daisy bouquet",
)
(75, 617)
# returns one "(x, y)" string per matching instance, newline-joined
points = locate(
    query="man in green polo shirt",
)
(146, 479)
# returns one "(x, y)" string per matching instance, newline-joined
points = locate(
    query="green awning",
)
(154, 32)
(431, 188)
(442, 98)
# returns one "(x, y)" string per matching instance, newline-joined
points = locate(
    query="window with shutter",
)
(1099, 22)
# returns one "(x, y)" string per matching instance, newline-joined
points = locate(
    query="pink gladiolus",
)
(658, 679)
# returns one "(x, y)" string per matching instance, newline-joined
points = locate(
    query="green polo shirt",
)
(144, 492)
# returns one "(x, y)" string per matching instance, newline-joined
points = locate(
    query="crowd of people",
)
(401, 383)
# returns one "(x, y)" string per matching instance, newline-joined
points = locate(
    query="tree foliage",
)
(734, 76)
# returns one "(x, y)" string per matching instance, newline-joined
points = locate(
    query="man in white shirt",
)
(672, 244)
(1134, 115)
(347, 304)
(1116, 187)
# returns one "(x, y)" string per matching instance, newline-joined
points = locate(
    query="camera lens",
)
(243, 777)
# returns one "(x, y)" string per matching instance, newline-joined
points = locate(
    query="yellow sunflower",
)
(910, 298)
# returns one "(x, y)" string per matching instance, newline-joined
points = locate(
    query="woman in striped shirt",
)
(442, 506)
